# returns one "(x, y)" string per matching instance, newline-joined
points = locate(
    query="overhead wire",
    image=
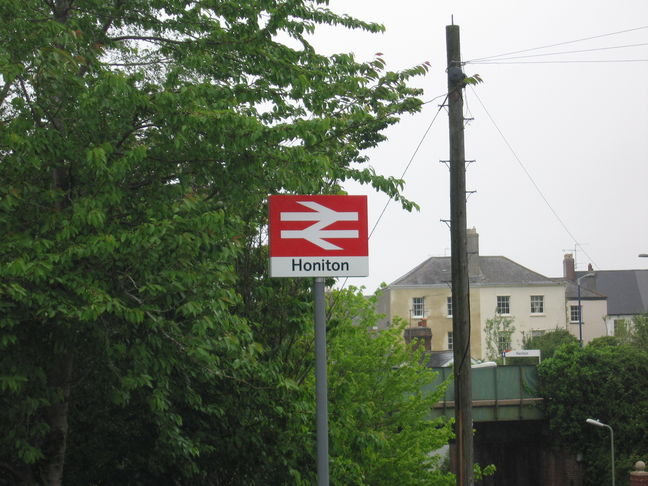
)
(578, 51)
(427, 130)
(480, 59)
(530, 177)
(573, 61)
(502, 60)
(511, 58)
(435, 98)
(409, 163)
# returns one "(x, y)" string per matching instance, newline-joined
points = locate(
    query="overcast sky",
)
(561, 148)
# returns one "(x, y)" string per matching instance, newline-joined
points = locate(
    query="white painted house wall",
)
(524, 321)
(594, 319)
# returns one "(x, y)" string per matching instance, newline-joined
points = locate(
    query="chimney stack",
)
(419, 336)
(569, 267)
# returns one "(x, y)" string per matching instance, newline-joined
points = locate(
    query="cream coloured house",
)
(608, 299)
(498, 287)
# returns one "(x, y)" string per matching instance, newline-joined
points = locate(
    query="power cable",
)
(479, 59)
(427, 130)
(566, 52)
(435, 98)
(418, 146)
(528, 174)
(575, 61)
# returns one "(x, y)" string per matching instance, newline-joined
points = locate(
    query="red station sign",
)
(318, 236)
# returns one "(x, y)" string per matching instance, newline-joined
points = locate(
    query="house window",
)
(450, 341)
(537, 333)
(418, 306)
(537, 304)
(574, 313)
(503, 304)
(449, 306)
(620, 327)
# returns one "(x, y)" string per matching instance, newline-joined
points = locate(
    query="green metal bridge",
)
(501, 393)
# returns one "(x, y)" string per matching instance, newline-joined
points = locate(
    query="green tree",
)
(638, 331)
(498, 332)
(633, 331)
(140, 337)
(603, 341)
(380, 398)
(606, 383)
(549, 342)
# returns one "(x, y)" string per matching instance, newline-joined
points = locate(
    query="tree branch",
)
(135, 64)
(4, 91)
(131, 131)
(62, 10)
(30, 103)
(146, 39)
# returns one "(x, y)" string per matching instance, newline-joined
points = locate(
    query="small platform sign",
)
(318, 236)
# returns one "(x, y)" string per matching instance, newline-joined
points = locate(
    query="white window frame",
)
(537, 301)
(575, 311)
(418, 306)
(450, 341)
(502, 301)
(449, 306)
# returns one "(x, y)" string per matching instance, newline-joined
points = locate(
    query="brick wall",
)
(639, 477)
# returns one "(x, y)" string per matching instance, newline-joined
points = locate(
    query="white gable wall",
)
(520, 310)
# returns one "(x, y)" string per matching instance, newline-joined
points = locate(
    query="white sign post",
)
(319, 236)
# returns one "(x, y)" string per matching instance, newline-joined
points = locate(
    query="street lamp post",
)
(580, 308)
(601, 424)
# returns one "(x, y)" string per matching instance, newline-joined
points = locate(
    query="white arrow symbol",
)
(315, 232)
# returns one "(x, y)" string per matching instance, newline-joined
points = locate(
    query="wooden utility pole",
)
(460, 291)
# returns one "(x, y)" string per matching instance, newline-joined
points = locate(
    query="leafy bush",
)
(605, 383)
(549, 342)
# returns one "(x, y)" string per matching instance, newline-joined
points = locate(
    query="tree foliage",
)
(608, 383)
(633, 332)
(140, 337)
(549, 342)
(380, 400)
(498, 333)
(639, 331)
